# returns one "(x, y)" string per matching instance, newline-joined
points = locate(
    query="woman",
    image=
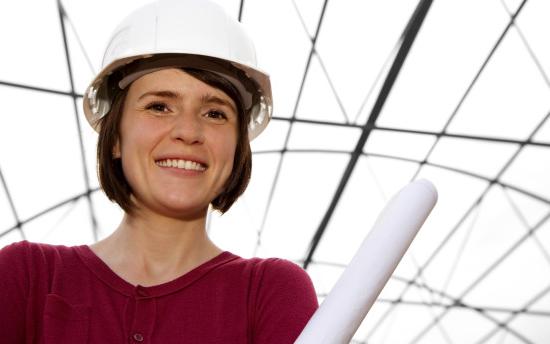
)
(175, 106)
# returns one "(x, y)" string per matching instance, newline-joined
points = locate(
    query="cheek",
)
(230, 149)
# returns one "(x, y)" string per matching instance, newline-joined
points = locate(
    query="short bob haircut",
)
(110, 173)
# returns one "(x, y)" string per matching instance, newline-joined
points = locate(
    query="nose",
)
(187, 127)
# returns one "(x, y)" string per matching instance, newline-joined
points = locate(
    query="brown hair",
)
(109, 169)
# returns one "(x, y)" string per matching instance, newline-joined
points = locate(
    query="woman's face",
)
(177, 142)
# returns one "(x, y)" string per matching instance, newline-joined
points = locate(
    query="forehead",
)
(175, 80)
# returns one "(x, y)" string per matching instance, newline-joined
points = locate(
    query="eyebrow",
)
(212, 99)
(205, 99)
(163, 94)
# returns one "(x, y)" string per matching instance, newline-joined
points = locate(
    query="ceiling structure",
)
(369, 95)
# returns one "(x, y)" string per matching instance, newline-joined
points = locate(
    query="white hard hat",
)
(181, 33)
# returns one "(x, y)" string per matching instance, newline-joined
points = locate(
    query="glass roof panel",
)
(455, 323)
(319, 100)
(7, 219)
(535, 28)
(293, 216)
(485, 240)
(500, 104)
(272, 138)
(82, 67)
(355, 40)
(529, 210)
(32, 45)
(472, 155)
(367, 191)
(309, 11)
(457, 195)
(543, 134)
(107, 214)
(530, 171)
(46, 163)
(311, 136)
(89, 138)
(534, 328)
(63, 226)
(10, 237)
(397, 144)
(520, 289)
(283, 51)
(442, 63)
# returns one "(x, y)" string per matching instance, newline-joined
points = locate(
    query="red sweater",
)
(59, 294)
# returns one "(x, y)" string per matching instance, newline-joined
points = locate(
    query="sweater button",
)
(138, 337)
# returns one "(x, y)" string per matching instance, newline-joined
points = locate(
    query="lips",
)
(181, 164)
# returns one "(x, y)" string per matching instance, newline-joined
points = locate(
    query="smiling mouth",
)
(181, 164)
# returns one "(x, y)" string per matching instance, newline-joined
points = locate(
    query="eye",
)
(216, 114)
(157, 107)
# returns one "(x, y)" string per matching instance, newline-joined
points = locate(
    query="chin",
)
(175, 207)
(183, 209)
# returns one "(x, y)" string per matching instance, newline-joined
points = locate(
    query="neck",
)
(153, 249)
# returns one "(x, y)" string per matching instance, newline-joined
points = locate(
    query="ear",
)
(116, 150)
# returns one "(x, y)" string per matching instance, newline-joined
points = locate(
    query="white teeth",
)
(183, 164)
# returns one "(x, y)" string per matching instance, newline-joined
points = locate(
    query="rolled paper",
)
(347, 304)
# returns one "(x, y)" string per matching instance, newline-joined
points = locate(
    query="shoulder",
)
(281, 270)
(13, 257)
(32, 250)
(30, 260)
(283, 300)
(269, 270)
(277, 281)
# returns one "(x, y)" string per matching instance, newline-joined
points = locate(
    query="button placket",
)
(144, 317)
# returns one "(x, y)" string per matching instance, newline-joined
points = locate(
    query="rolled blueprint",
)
(349, 301)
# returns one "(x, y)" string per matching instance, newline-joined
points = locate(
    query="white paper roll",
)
(349, 301)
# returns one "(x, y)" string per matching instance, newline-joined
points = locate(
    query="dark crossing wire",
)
(325, 71)
(519, 214)
(527, 46)
(12, 206)
(241, 7)
(48, 210)
(289, 131)
(408, 38)
(457, 303)
(40, 89)
(513, 315)
(485, 273)
(472, 83)
(447, 238)
(82, 48)
(381, 72)
(333, 89)
(62, 15)
(415, 131)
(453, 114)
(521, 240)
